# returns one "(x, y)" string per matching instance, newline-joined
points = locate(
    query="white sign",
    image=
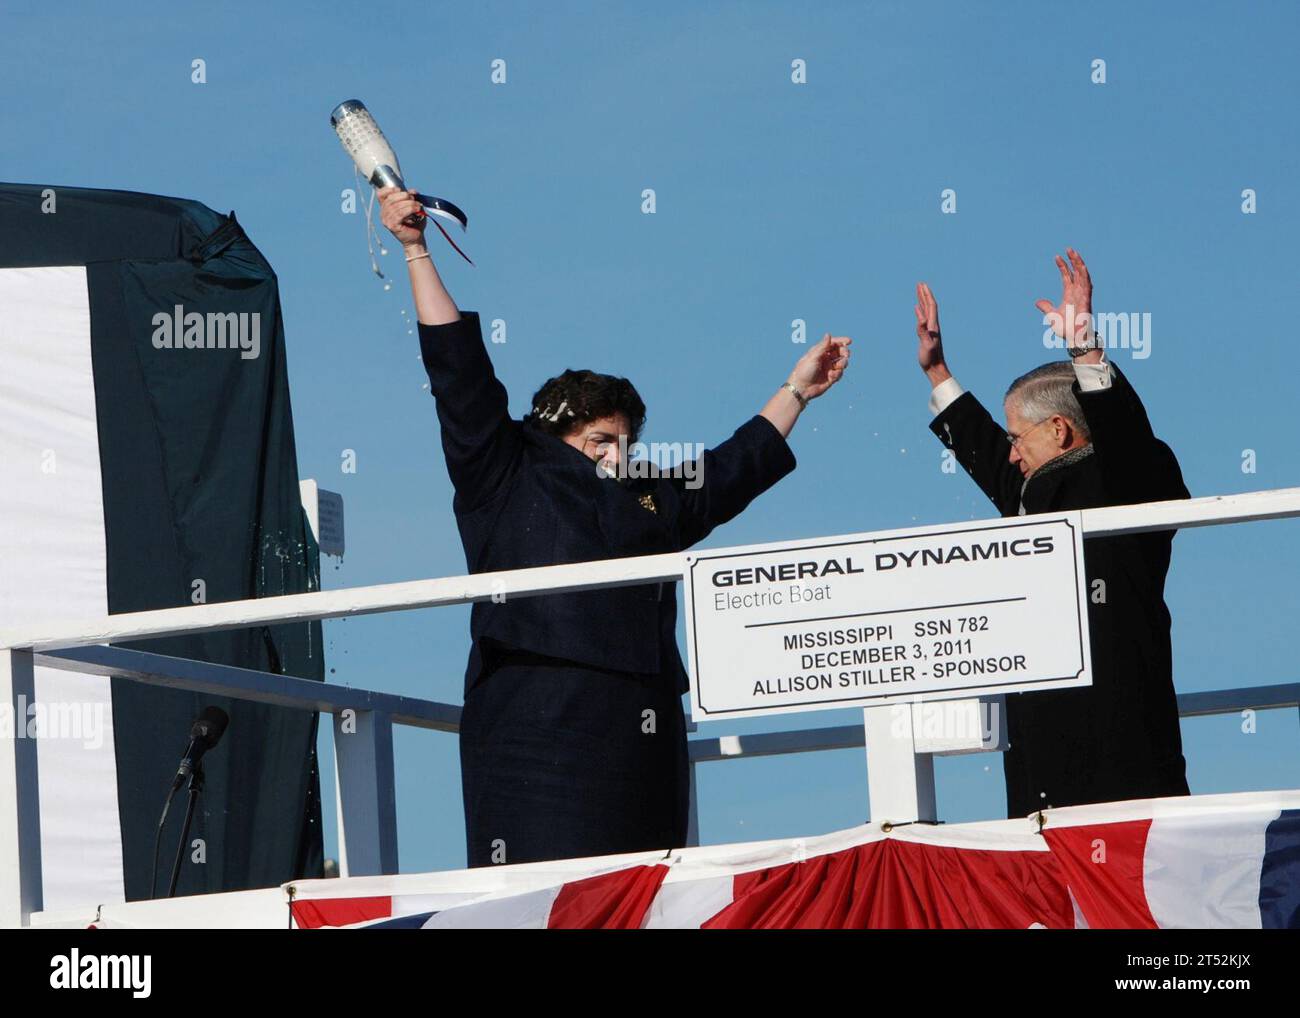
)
(325, 515)
(929, 613)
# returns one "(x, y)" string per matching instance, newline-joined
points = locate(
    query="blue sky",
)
(775, 201)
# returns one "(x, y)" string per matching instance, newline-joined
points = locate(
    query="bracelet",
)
(803, 403)
(416, 258)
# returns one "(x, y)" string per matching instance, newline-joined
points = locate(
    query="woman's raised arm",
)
(480, 441)
(433, 304)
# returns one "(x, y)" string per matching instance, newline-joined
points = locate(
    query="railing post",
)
(20, 817)
(900, 781)
(363, 764)
(693, 816)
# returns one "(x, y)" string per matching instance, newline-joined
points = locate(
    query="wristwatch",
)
(1078, 351)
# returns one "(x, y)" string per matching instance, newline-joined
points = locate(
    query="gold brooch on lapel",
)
(648, 502)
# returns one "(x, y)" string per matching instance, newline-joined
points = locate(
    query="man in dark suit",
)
(1077, 437)
(573, 738)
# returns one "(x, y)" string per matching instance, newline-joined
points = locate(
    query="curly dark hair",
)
(578, 397)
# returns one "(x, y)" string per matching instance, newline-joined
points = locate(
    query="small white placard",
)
(325, 514)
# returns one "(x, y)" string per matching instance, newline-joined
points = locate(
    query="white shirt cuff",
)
(1094, 377)
(944, 395)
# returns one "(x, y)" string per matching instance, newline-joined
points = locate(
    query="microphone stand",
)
(162, 820)
(195, 787)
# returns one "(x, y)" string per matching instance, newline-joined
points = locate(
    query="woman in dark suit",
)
(573, 739)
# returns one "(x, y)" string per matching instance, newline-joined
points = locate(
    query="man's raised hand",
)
(1072, 318)
(929, 351)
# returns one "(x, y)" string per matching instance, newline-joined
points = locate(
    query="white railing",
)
(900, 770)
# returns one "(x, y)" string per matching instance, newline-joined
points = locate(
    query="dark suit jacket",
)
(525, 498)
(1118, 739)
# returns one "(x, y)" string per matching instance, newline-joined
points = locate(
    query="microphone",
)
(377, 162)
(205, 733)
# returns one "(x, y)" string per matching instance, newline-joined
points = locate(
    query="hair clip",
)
(546, 414)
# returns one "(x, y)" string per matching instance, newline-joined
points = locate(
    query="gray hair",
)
(1047, 391)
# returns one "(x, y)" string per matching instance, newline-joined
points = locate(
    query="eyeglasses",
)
(1015, 440)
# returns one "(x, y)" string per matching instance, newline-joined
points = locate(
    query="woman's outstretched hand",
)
(395, 207)
(822, 366)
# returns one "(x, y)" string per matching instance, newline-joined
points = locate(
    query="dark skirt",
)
(561, 761)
